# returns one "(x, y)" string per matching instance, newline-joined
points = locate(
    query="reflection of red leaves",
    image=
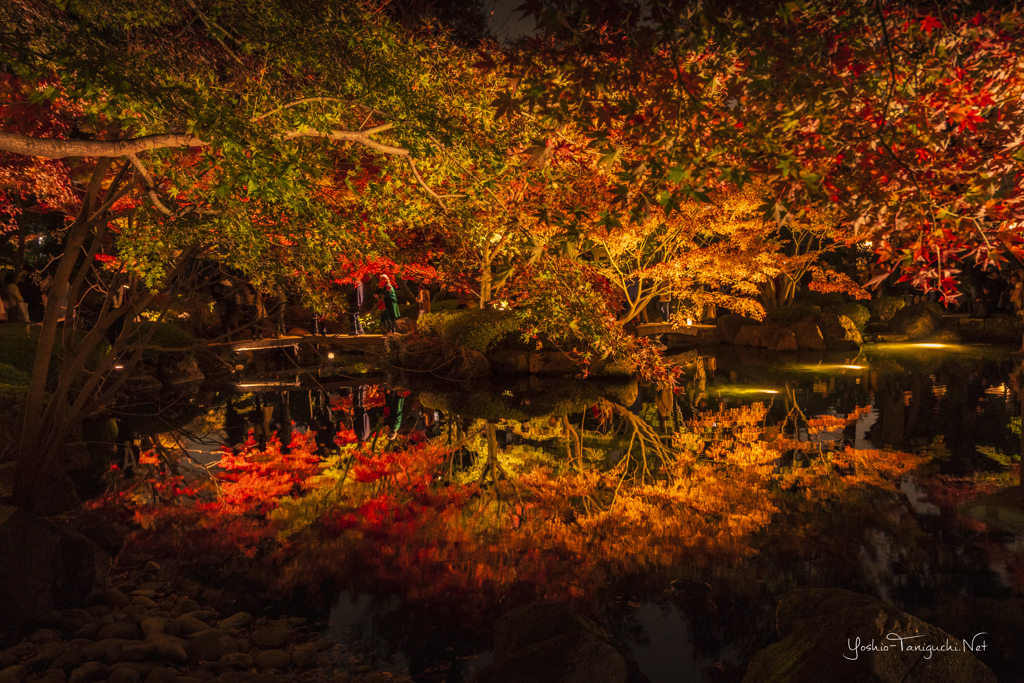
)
(371, 468)
(255, 478)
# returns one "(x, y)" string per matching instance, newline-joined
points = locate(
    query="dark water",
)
(700, 610)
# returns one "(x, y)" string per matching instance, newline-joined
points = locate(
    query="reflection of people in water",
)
(234, 427)
(425, 422)
(284, 424)
(360, 418)
(268, 426)
(395, 404)
(323, 423)
(262, 430)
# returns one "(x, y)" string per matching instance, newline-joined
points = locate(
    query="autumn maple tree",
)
(904, 118)
(244, 135)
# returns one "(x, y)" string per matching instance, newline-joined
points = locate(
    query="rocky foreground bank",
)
(143, 628)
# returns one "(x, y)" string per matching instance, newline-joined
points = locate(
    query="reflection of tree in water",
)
(914, 406)
(481, 500)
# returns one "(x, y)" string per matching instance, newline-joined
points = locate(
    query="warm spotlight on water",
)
(734, 390)
(825, 368)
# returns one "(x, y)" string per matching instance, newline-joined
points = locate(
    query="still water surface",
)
(755, 477)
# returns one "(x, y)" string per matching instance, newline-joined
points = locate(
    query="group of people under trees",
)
(370, 411)
(388, 301)
(992, 294)
(23, 295)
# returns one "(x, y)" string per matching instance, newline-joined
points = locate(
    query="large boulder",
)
(771, 337)
(544, 643)
(840, 636)
(729, 325)
(510, 362)
(999, 617)
(552, 363)
(885, 307)
(840, 333)
(808, 336)
(468, 364)
(610, 367)
(418, 353)
(43, 566)
(918, 320)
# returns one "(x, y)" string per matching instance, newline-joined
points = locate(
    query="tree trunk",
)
(485, 277)
(35, 456)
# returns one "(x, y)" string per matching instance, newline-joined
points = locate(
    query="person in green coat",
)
(390, 314)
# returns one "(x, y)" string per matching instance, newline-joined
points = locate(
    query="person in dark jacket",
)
(28, 281)
(390, 299)
(360, 418)
(355, 302)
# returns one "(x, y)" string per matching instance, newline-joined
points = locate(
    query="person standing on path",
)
(390, 301)
(355, 302)
(422, 302)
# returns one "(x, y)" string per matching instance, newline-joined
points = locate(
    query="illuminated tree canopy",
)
(698, 150)
(905, 117)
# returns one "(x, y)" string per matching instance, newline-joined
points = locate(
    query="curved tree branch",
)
(211, 25)
(423, 184)
(307, 100)
(361, 137)
(150, 186)
(51, 148)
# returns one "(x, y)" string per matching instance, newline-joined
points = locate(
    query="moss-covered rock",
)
(856, 312)
(885, 307)
(831, 634)
(839, 332)
(918, 320)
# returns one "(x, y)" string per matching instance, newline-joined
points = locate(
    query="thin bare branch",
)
(211, 25)
(147, 179)
(307, 100)
(423, 184)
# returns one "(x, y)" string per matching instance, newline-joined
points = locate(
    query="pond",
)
(422, 512)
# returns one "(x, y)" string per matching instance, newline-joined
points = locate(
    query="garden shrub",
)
(787, 315)
(824, 299)
(18, 343)
(444, 305)
(476, 329)
(431, 324)
(479, 329)
(12, 375)
(174, 341)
